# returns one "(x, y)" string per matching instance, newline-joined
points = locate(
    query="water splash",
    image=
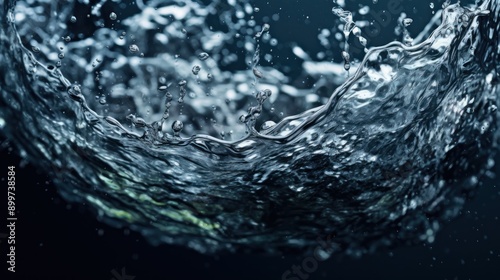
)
(384, 159)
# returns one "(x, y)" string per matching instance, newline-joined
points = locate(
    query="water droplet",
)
(362, 41)
(73, 19)
(177, 127)
(196, 69)
(210, 76)
(75, 93)
(112, 16)
(256, 9)
(347, 64)
(67, 38)
(364, 10)
(267, 125)
(35, 49)
(162, 88)
(60, 55)
(356, 31)
(203, 56)
(431, 5)
(133, 48)
(265, 28)
(407, 21)
(182, 83)
(257, 73)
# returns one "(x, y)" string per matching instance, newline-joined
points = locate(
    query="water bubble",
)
(265, 28)
(182, 83)
(196, 69)
(75, 92)
(257, 73)
(162, 88)
(431, 5)
(112, 16)
(177, 127)
(210, 76)
(60, 55)
(256, 9)
(73, 19)
(362, 41)
(364, 10)
(133, 48)
(375, 1)
(203, 56)
(407, 21)
(347, 64)
(356, 31)
(267, 125)
(184, 31)
(168, 98)
(35, 49)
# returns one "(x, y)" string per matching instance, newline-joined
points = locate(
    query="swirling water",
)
(163, 117)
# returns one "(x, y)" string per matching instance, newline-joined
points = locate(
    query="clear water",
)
(169, 118)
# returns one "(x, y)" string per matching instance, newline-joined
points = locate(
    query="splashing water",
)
(138, 115)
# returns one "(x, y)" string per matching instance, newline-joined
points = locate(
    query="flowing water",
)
(170, 118)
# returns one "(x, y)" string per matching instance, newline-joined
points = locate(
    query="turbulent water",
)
(169, 117)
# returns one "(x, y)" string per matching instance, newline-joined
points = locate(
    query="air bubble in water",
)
(203, 56)
(196, 69)
(133, 48)
(73, 19)
(112, 16)
(256, 10)
(182, 83)
(267, 125)
(177, 127)
(257, 73)
(431, 5)
(364, 10)
(75, 93)
(346, 57)
(265, 28)
(162, 88)
(407, 21)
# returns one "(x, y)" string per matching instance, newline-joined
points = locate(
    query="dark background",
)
(57, 240)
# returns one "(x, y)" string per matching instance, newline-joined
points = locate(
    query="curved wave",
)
(384, 159)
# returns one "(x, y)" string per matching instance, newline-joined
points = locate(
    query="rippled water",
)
(171, 118)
